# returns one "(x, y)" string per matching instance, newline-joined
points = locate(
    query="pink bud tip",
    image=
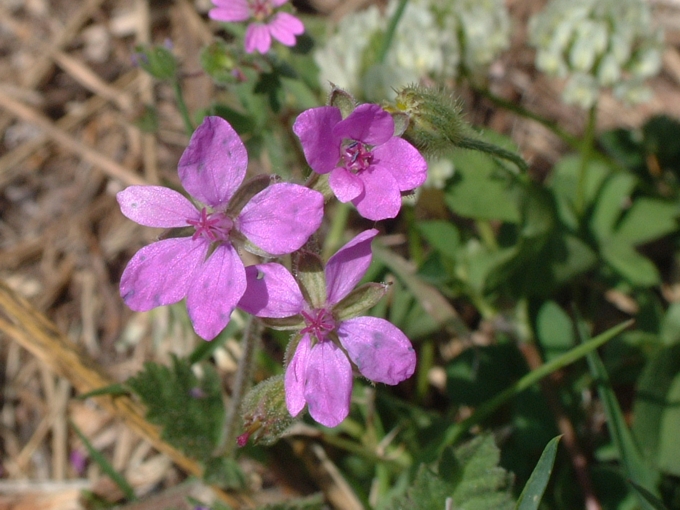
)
(242, 440)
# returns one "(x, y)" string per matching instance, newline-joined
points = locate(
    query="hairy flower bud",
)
(265, 416)
(435, 122)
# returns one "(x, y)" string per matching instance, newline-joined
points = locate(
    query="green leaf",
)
(652, 502)
(657, 410)
(554, 329)
(535, 487)
(623, 258)
(224, 472)
(104, 464)
(442, 235)
(630, 457)
(468, 476)
(648, 219)
(610, 200)
(190, 410)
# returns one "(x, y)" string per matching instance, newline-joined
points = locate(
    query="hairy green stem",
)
(251, 337)
(456, 431)
(181, 104)
(391, 28)
(586, 155)
(496, 151)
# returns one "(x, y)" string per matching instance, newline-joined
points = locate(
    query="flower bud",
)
(218, 62)
(264, 412)
(435, 121)
(344, 101)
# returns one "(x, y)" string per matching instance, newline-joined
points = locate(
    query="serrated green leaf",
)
(468, 476)
(538, 481)
(190, 410)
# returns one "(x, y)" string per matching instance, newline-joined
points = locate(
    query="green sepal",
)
(292, 323)
(359, 300)
(248, 190)
(342, 100)
(308, 271)
(250, 247)
(401, 122)
(264, 412)
(217, 61)
(319, 182)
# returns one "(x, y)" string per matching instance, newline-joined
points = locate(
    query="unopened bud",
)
(435, 122)
(264, 411)
(342, 100)
(219, 63)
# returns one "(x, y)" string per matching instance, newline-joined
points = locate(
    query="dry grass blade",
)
(37, 334)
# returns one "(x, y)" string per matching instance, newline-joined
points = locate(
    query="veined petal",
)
(346, 185)
(348, 265)
(328, 384)
(160, 273)
(314, 128)
(403, 161)
(281, 218)
(156, 206)
(214, 164)
(381, 198)
(230, 10)
(272, 292)
(381, 352)
(368, 123)
(294, 380)
(257, 38)
(284, 27)
(214, 291)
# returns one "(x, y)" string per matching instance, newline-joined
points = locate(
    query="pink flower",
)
(280, 25)
(319, 373)
(205, 268)
(368, 165)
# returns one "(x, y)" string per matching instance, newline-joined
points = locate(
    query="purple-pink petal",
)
(214, 291)
(368, 123)
(314, 128)
(277, 3)
(230, 10)
(349, 264)
(281, 218)
(272, 292)
(346, 185)
(328, 384)
(257, 38)
(284, 27)
(160, 273)
(156, 206)
(403, 161)
(381, 198)
(214, 164)
(294, 380)
(381, 352)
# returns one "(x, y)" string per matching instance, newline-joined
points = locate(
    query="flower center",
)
(261, 9)
(356, 156)
(212, 226)
(319, 322)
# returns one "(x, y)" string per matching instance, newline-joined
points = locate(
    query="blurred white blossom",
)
(598, 44)
(433, 39)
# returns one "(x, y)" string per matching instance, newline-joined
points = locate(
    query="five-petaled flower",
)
(267, 23)
(319, 373)
(205, 267)
(368, 165)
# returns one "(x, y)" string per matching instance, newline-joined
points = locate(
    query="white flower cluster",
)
(433, 39)
(598, 44)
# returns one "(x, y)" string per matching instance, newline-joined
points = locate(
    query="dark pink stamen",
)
(212, 226)
(319, 322)
(356, 156)
(261, 9)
